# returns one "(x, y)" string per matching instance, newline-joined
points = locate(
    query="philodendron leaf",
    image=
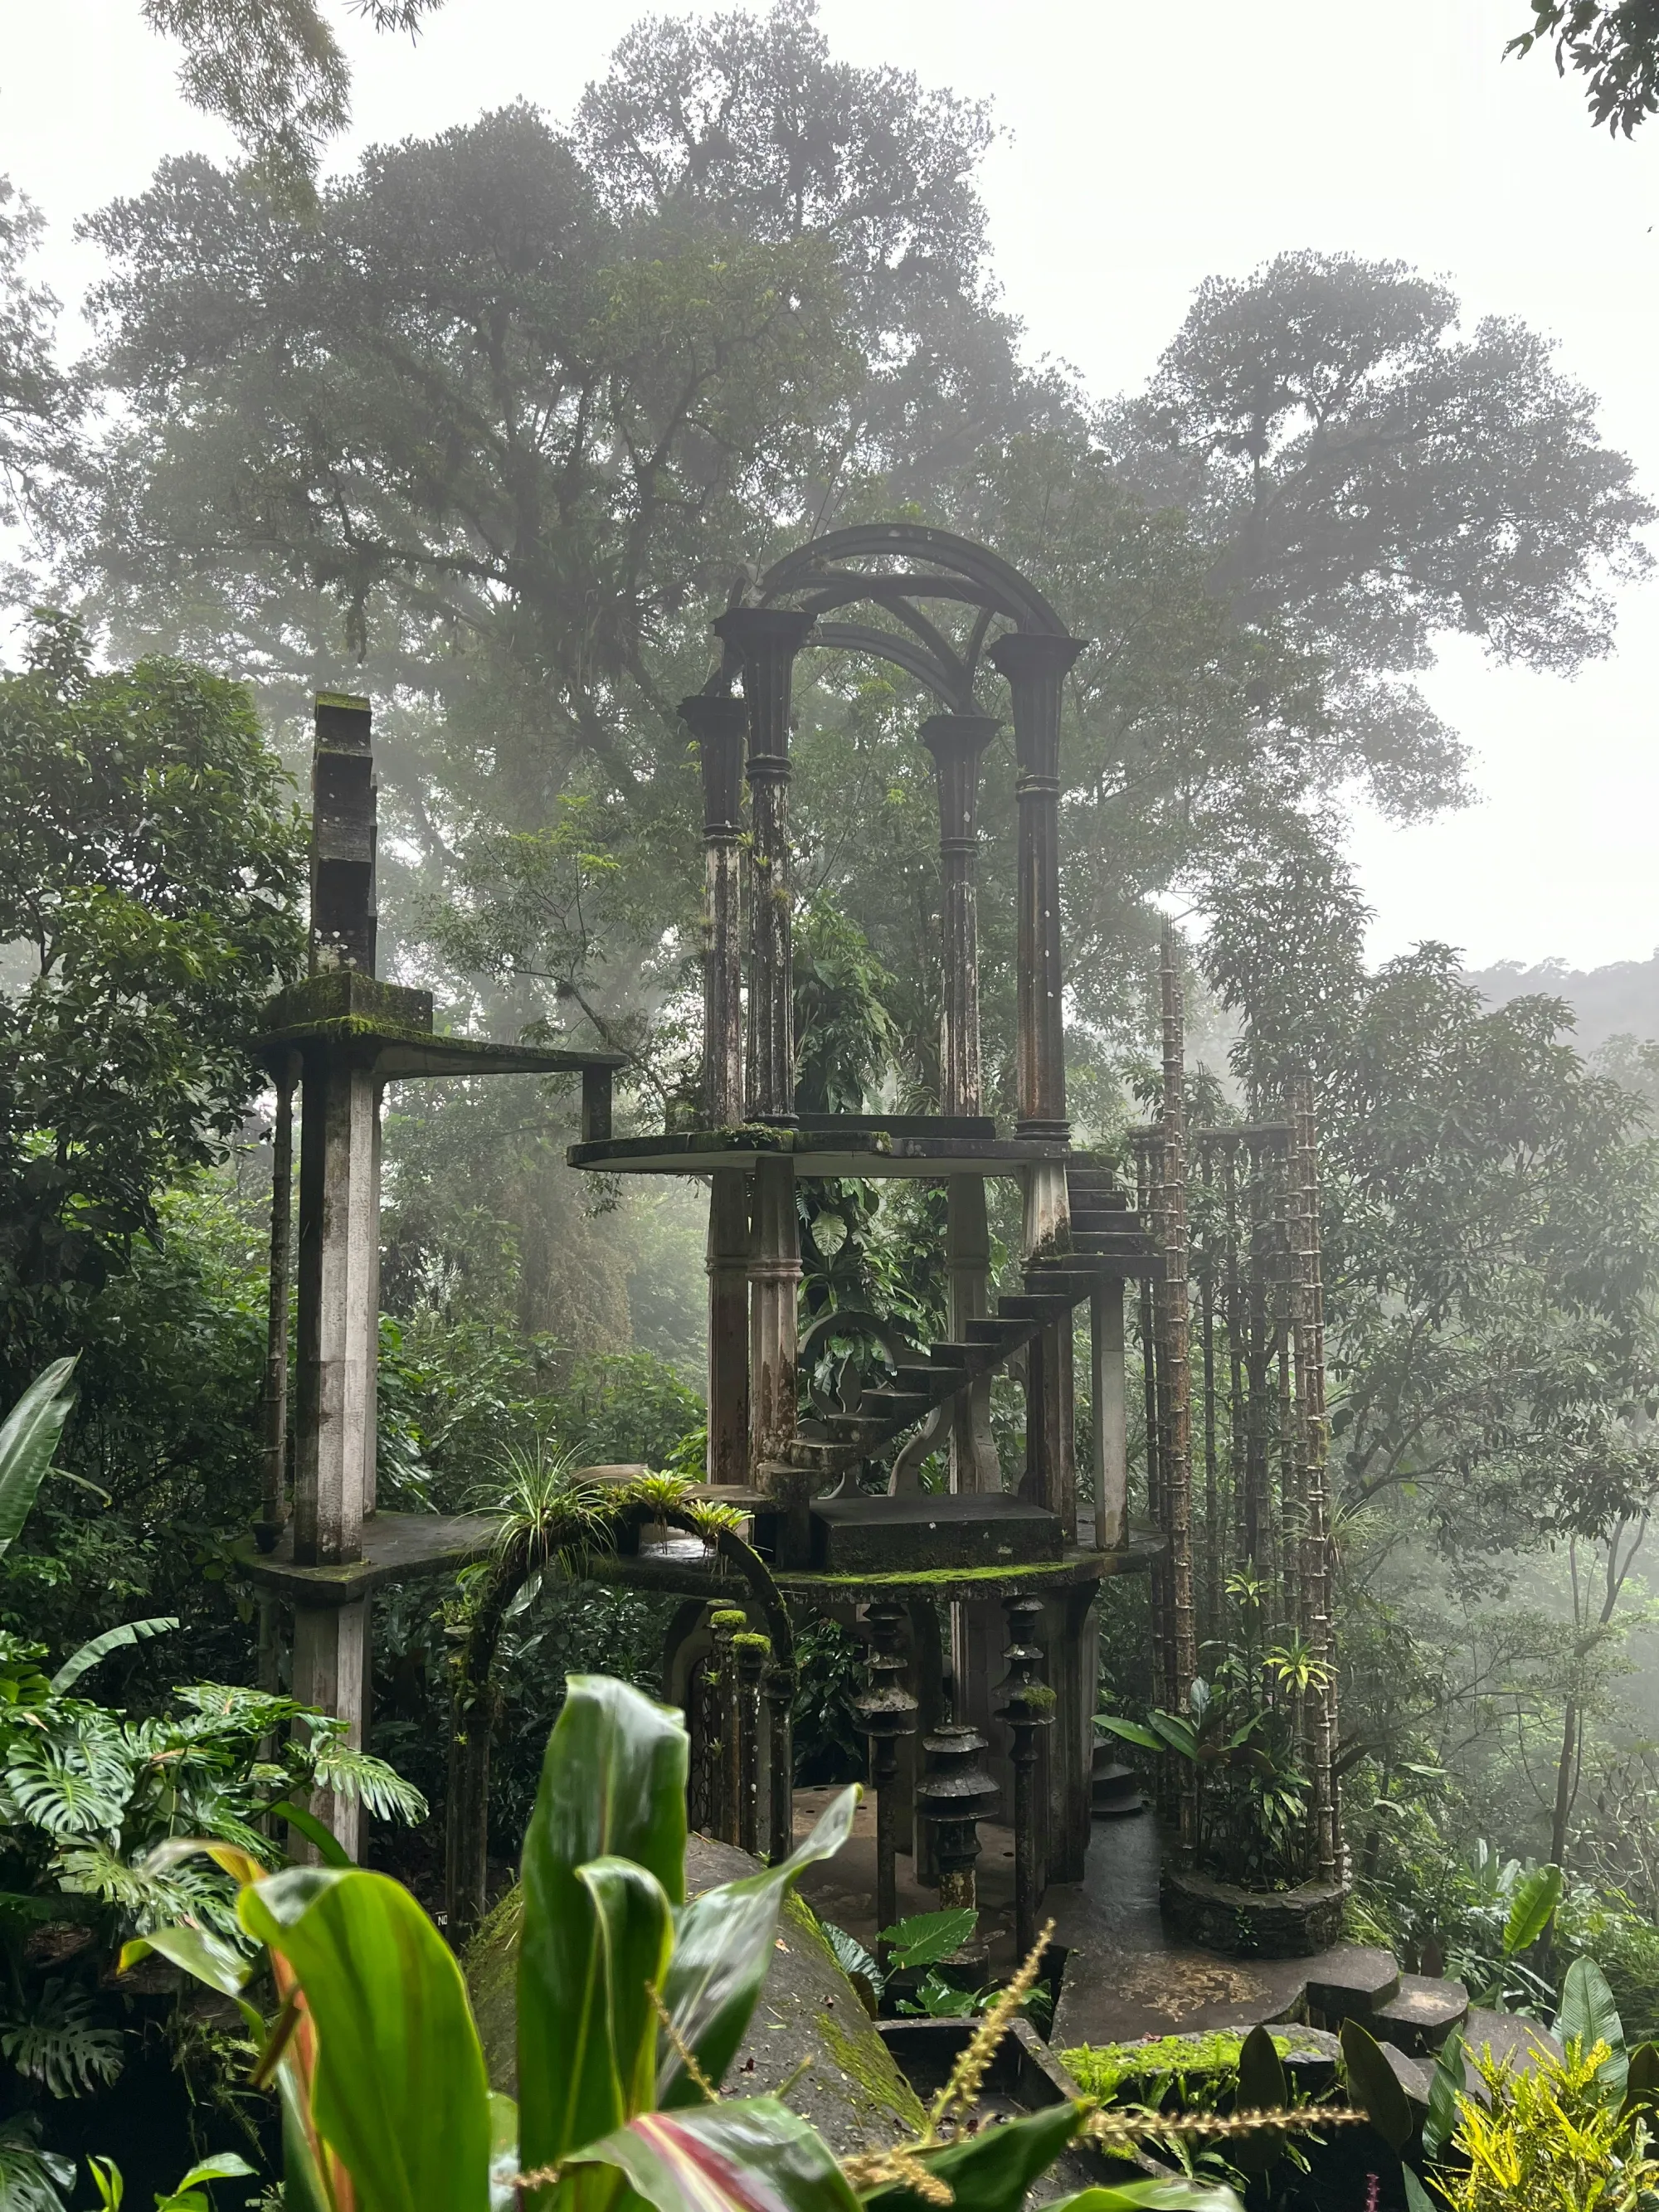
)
(29, 1437)
(399, 2091)
(1262, 2088)
(1446, 2084)
(722, 1948)
(1589, 2016)
(638, 1927)
(924, 1938)
(612, 1787)
(1531, 1906)
(1374, 2086)
(990, 2172)
(745, 2154)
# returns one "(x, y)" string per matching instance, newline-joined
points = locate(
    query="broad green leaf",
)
(1131, 1732)
(329, 1849)
(1176, 1734)
(112, 1639)
(1152, 2197)
(745, 2155)
(190, 2196)
(637, 1926)
(722, 1948)
(1589, 2016)
(29, 1437)
(206, 1956)
(1262, 2088)
(1446, 2085)
(860, 1966)
(612, 1786)
(991, 2171)
(1418, 2198)
(923, 1938)
(399, 2092)
(1374, 2086)
(1532, 1906)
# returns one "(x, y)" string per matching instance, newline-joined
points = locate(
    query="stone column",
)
(719, 724)
(765, 641)
(1111, 1423)
(957, 743)
(888, 1712)
(774, 1289)
(330, 1671)
(1036, 667)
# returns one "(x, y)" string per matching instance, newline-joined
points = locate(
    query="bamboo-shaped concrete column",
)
(1036, 665)
(765, 641)
(887, 1712)
(1174, 1381)
(958, 744)
(273, 1490)
(719, 724)
(1027, 1708)
(1310, 1327)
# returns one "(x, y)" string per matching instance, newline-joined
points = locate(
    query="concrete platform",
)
(1423, 2014)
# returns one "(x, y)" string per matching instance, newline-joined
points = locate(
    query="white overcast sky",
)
(1147, 146)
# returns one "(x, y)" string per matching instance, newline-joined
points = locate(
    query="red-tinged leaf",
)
(749, 2154)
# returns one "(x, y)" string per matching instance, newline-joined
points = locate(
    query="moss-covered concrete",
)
(809, 2024)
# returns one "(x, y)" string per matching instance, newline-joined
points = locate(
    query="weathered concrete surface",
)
(849, 2087)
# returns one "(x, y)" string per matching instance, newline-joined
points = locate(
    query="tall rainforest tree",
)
(151, 864)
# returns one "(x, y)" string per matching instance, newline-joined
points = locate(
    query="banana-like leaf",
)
(29, 1437)
(399, 2090)
(1153, 2196)
(1176, 1734)
(745, 2154)
(112, 1639)
(722, 1948)
(1446, 2084)
(332, 1851)
(1374, 2086)
(1418, 2198)
(991, 2171)
(1131, 1732)
(612, 1787)
(209, 1958)
(1262, 2088)
(1531, 1906)
(637, 1924)
(1589, 2016)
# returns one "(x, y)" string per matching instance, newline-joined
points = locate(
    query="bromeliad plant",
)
(632, 2002)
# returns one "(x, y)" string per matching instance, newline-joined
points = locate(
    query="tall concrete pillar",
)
(1036, 665)
(720, 725)
(765, 641)
(958, 744)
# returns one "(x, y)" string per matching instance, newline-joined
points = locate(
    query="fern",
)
(30, 2178)
(62, 2043)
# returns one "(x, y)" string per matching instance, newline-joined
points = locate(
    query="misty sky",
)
(1147, 146)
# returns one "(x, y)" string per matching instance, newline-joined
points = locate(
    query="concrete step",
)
(996, 1329)
(1114, 1789)
(1349, 1983)
(1420, 2017)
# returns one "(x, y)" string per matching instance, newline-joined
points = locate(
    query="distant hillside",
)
(1620, 1000)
